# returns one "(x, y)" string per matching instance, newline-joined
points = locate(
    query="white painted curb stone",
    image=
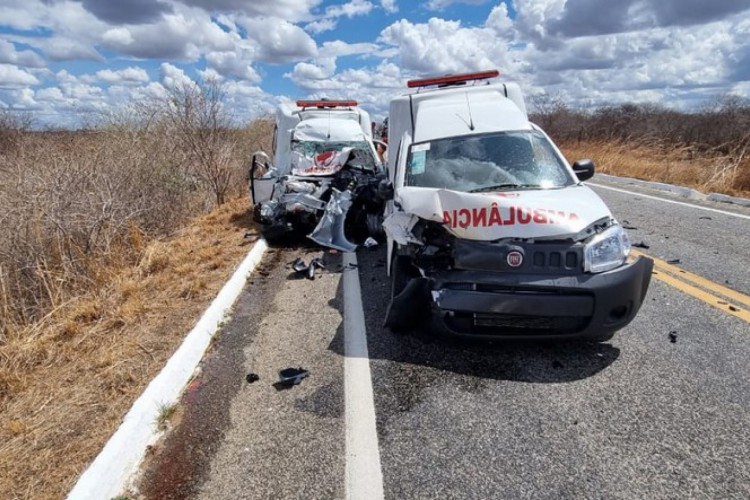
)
(108, 474)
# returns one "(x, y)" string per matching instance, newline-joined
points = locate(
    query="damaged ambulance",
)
(491, 233)
(324, 176)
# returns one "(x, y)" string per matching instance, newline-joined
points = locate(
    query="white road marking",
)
(691, 205)
(114, 467)
(364, 477)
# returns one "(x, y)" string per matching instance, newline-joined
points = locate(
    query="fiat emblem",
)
(515, 258)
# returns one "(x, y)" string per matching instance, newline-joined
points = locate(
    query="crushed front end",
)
(517, 288)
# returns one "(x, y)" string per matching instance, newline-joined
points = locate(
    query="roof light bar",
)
(326, 104)
(445, 80)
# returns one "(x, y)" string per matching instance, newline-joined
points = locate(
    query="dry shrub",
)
(67, 380)
(650, 160)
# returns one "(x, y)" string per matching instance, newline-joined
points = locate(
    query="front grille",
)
(505, 324)
(538, 258)
(525, 323)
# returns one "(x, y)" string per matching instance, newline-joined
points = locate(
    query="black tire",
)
(401, 272)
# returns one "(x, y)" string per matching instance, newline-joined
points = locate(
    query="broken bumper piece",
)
(330, 230)
(480, 304)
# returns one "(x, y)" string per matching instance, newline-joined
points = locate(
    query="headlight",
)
(606, 250)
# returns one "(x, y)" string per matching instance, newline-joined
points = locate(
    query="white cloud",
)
(277, 40)
(232, 64)
(127, 76)
(389, 6)
(321, 26)
(12, 76)
(173, 77)
(350, 9)
(9, 54)
(441, 4)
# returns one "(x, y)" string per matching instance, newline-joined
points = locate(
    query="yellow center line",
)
(702, 282)
(674, 277)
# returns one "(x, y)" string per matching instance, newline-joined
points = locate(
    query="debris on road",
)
(641, 244)
(252, 377)
(289, 377)
(673, 261)
(732, 308)
(308, 271)
(705, 217)
(626, 225)
(673, 337)
(370, 242)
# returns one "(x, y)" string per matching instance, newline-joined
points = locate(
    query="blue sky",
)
(68, 61)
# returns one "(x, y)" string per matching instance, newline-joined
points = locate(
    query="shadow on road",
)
(533, 361)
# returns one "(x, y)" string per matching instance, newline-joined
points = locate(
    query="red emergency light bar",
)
(326, 104)
(446, 80)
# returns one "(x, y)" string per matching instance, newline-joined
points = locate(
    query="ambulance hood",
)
(539, 213)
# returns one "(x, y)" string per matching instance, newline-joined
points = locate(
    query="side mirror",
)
(584, 169)
(385, 189)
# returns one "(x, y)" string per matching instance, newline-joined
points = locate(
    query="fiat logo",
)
(514, 258)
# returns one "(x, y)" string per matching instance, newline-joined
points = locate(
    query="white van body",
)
(481, 198)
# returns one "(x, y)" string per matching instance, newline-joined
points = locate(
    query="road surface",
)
(405, 417)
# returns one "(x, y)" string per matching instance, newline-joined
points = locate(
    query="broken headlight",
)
(607, 250)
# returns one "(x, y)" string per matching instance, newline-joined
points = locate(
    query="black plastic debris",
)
(626, 225)
(733, 309)
(289, 377)
(673, 261)
(641, 244)
(252, 377)
(308, 270)
(673, 337)
(705, 217)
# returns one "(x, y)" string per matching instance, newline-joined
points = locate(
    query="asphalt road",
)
(637, 417)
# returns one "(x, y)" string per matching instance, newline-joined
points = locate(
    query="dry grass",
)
(67, 379)
(684, 166)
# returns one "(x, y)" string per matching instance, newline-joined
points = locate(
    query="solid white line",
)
(109, 473)
(700, 207)
(364, 477)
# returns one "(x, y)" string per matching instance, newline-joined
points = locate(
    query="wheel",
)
(403, 315)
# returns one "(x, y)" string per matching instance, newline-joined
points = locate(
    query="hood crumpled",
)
(506, 214)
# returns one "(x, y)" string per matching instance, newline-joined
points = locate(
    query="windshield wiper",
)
(499, 187)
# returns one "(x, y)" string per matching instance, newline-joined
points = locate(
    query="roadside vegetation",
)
(708, 150)
(112, 242)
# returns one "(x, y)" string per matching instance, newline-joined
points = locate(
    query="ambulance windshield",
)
(487, 162)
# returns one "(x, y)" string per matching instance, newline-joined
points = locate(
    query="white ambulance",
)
(324, 164)
(491, 233)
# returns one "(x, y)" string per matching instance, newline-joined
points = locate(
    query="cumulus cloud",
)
(442, 4)
(389, 6)
(278, 41)
(127, 76)
(232, 64)
(291, 10)
(441, 46)
(9, 54)
(127, 11)
(175, 36)
(12, 76)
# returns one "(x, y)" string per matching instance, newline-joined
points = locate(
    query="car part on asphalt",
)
(641, 244)
(307, 270)
(673, 337)
(252, 378)
(289, 377)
